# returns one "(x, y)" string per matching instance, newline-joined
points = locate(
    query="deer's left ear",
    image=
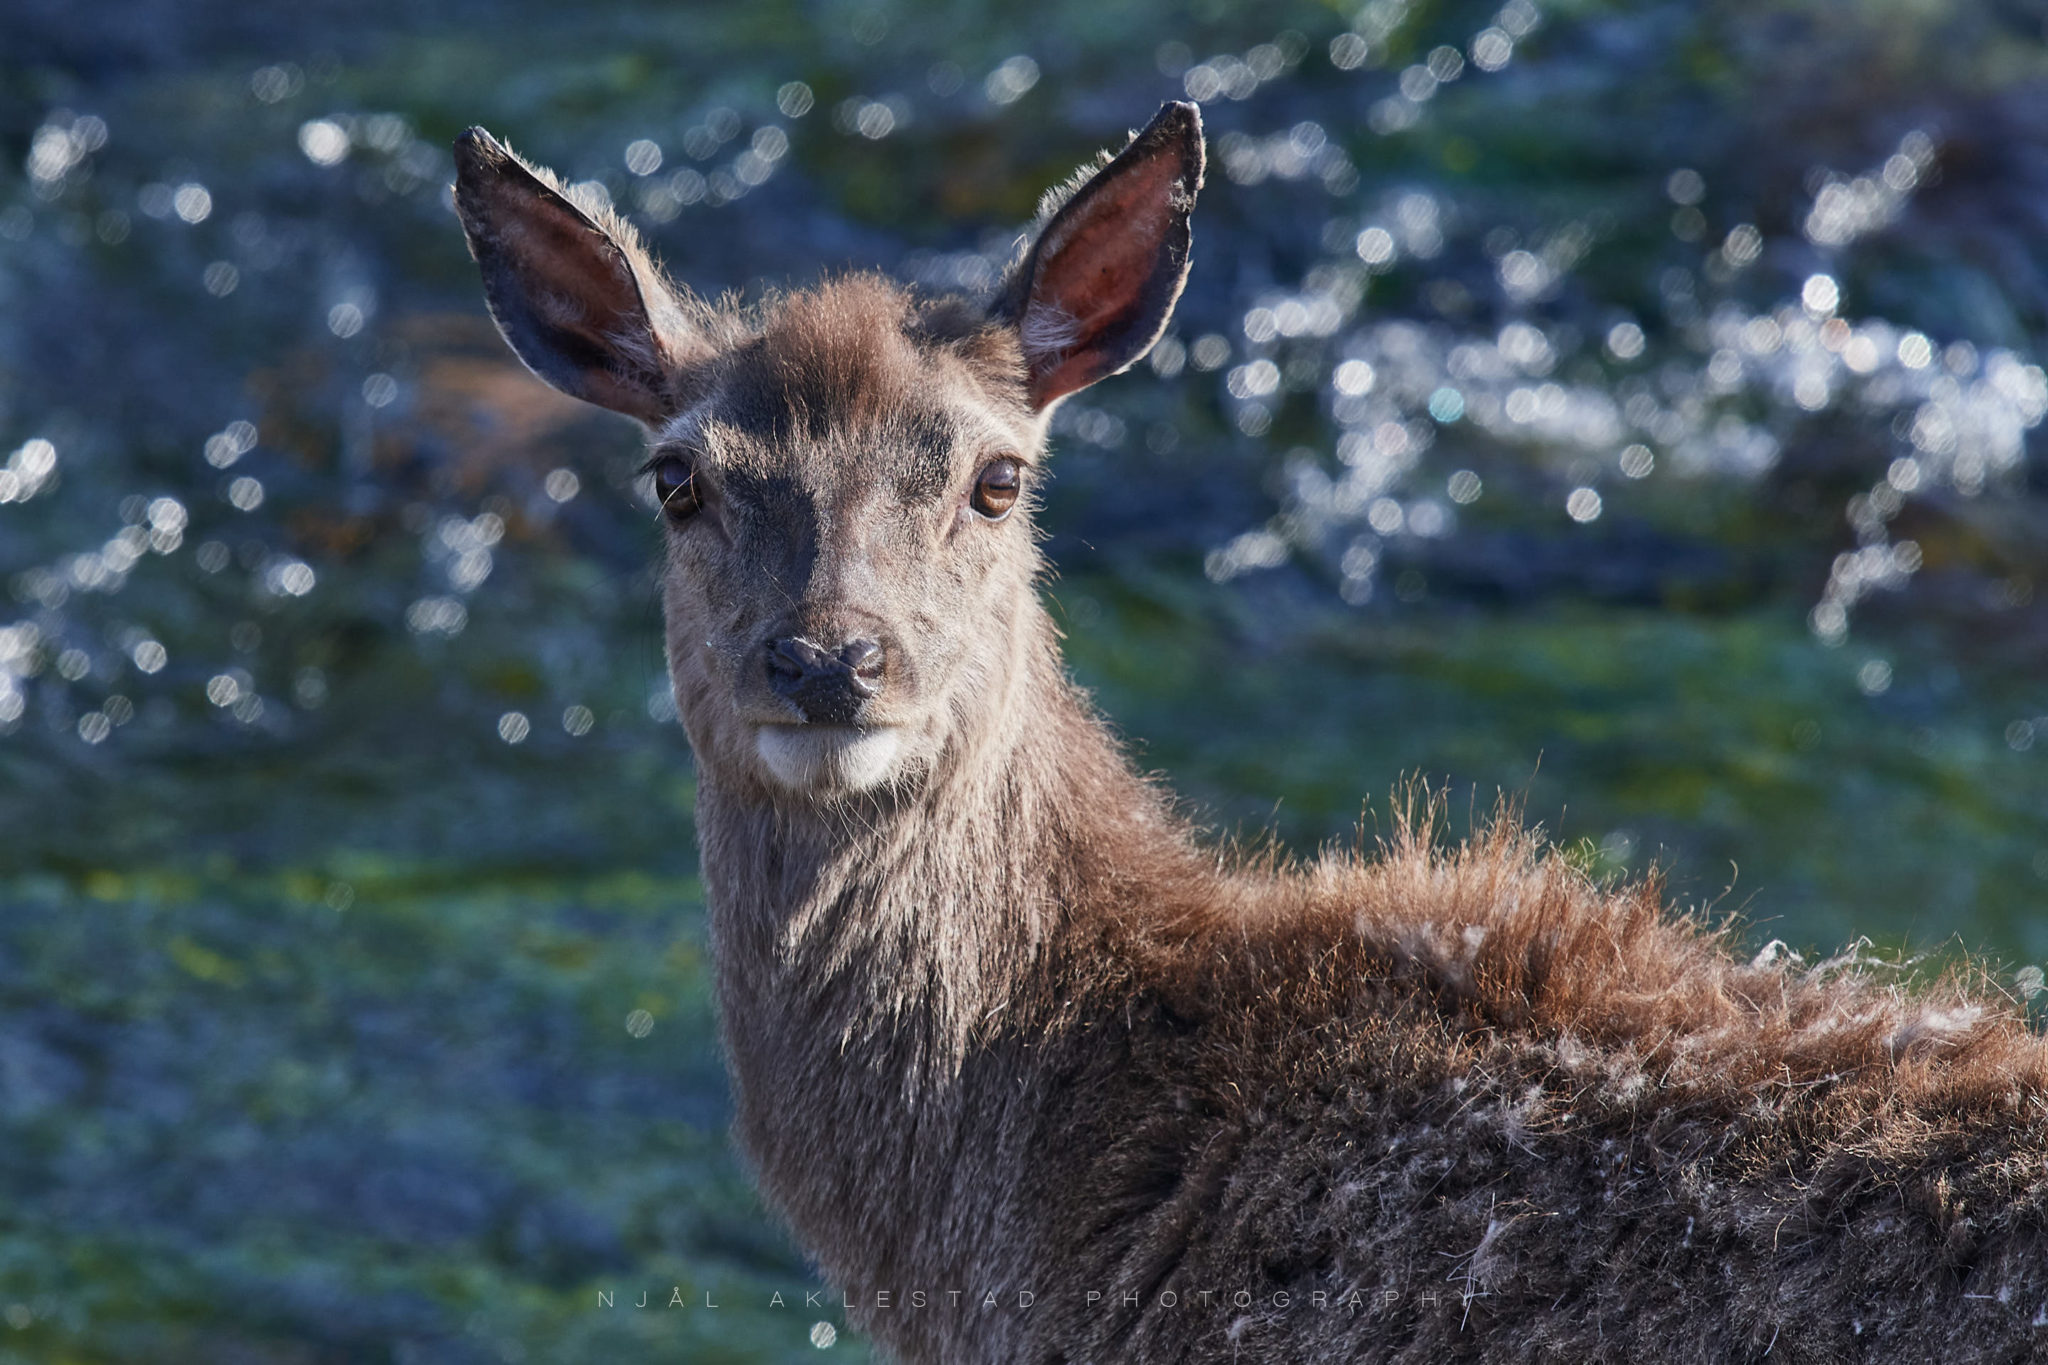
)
(1103, 276)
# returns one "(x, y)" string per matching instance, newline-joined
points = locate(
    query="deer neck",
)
(878, 963)
(904, 916)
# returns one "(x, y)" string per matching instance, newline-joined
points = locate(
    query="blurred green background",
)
(1633, 407)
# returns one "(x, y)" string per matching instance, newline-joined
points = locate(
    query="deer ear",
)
(572, 290)
(1103, 276)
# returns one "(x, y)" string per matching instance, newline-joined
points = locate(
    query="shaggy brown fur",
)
(1039, 1077)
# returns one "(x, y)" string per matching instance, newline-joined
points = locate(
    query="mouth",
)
(828, 758)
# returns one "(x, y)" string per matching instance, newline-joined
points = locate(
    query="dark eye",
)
(675, 487)
(996, 488)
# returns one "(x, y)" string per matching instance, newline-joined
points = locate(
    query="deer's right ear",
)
(573, 291)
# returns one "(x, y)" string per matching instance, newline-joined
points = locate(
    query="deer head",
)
(846, 474)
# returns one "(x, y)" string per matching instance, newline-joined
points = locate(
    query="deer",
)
(1036, 1071)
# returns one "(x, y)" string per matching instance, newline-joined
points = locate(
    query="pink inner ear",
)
(582, 271)
(579, 283)
(1094, 276)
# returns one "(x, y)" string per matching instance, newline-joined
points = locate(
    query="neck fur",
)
(886, 964)
(915, 913)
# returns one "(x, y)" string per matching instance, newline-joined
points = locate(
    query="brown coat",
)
(1038, 1076)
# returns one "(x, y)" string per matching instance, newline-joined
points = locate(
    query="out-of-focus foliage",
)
(1631, 406)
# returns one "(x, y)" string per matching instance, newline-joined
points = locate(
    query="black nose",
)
(827, 686)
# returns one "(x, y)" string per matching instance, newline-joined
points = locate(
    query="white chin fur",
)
(828, 758)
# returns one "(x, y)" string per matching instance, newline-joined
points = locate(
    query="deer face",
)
(848, 524)
(845, 475)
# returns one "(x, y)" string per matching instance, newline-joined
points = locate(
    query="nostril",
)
(864, 657)
(793, 659)
(785, 662)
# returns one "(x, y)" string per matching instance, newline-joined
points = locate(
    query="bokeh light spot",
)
(324, 142)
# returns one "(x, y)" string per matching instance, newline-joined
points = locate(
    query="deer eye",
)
(675, 487)
(996, 488)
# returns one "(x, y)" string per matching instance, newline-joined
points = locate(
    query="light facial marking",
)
(828, 758)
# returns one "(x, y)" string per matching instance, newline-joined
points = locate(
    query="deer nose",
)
(827, 686)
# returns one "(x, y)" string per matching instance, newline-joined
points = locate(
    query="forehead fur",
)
(860, 354)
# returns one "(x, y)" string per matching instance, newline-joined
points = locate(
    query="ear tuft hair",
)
(1057, 198)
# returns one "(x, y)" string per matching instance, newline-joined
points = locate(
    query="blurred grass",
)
(416, 1126)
